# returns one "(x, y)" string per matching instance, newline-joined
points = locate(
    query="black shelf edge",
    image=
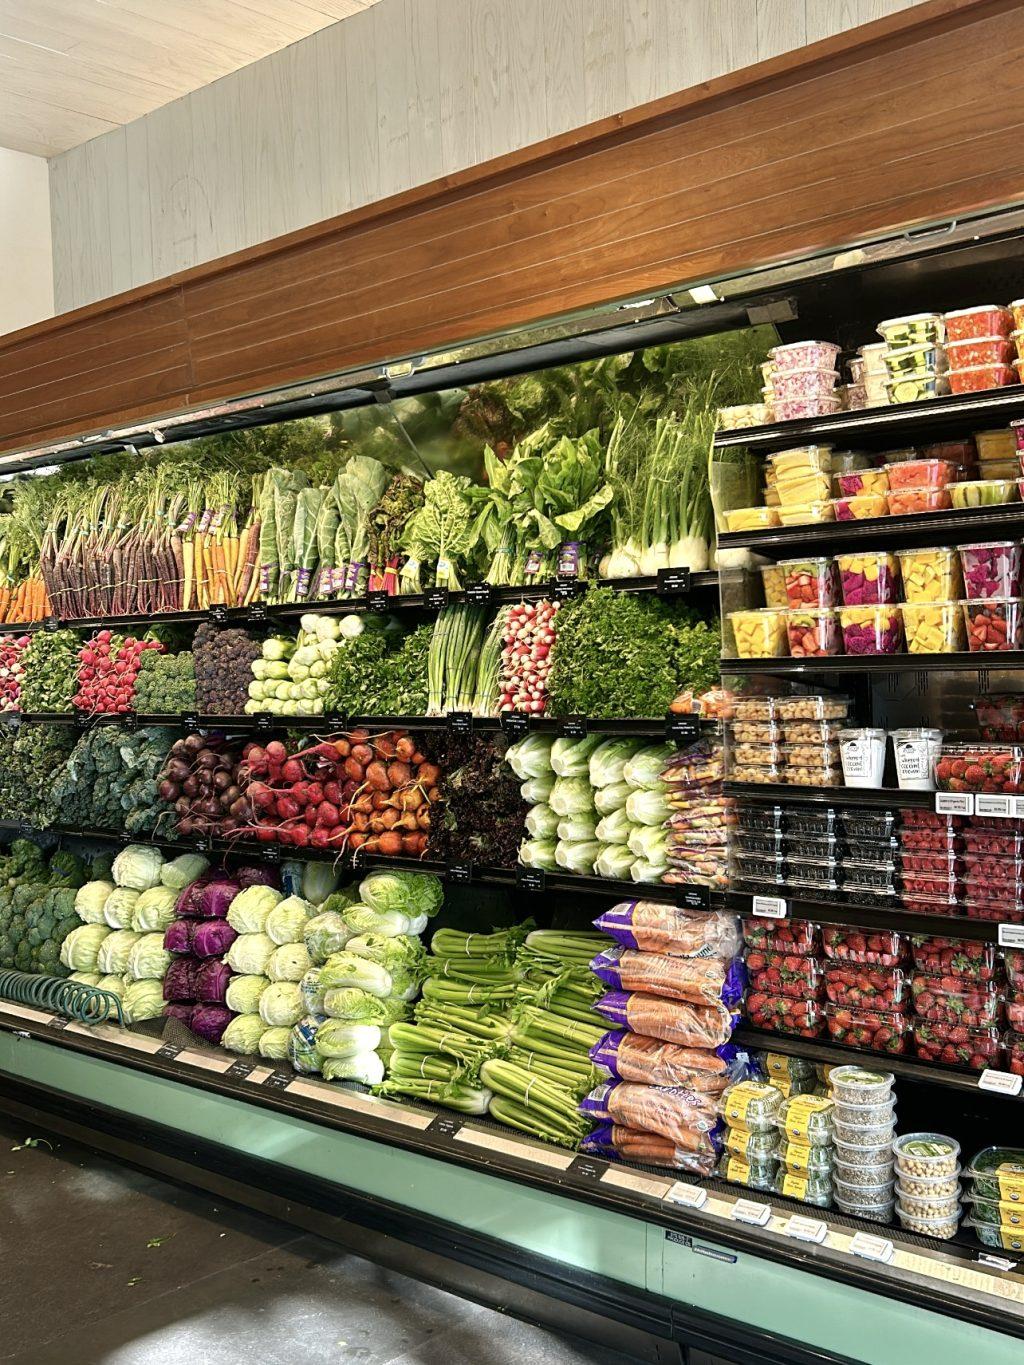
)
(704, 581)
(894, 423)
(862, 916)
(922, 528)
(784, 795)
(962, 662)
(902, 1066)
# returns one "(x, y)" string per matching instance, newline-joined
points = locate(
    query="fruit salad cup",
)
(813, 633)
(860, 507)
(871, 630)
(991, 569)
(870, 1029)
(983, 493)
(933, 627)
(931, 575)
(994, 624)
(868, 579)
(759, 634)
(858, 482)
(810, 582)
(774, 580)
(924, 473)
(983, 320)
(907, 502)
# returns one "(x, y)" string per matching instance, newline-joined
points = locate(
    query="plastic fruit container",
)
(877, 1031)
(992, 912)
(800, 355)
(804, 383)
(942, 1227)
(918, 359)
(991, 569)
(805, 513)
(983, 493)
(979, 377)
(810, 582)
(1013, 959)
(957, 1045)
(993, 624)
(1013, 1041)
(813, 633)
(752, 1105)
(975, 351)
(813, 706)
(875, 392)
(865, 986)
(798, 460)
(998, 469)
(759, 634)
(794, 409)
(917, 386)
(916, 329)
(774, 581)
(983, 320)
(877, 947)
(995, 445)
(781, 1015)
(861, 481)
(926, 1155)
(948, 1000)
(910, 501)
(862, 507)
(871, 630)
(920, 474)
(795, 490)
(752, 518)
(741, 415)
(1003, 838)
(792, 937)
(868, 579)
(858, 1085)
(930, 575)
(785, 973)
(933, 628)
(964, 958)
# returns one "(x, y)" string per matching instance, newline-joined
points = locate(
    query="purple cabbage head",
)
(181, 1012)
(256, 876)
(212, 938)
(210, 1021)
(188, 902)
(178, 936)
(215, 899)
(180, 981)
(212, 982)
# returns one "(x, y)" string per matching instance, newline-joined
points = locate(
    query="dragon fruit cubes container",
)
(869, 578)
(871, 630)
(991, 569)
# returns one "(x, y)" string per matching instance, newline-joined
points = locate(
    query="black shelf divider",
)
(869, 917)
(962, 662)
(784, 795)
(1002, 521)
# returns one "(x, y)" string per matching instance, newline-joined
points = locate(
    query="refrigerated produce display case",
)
(387, 847)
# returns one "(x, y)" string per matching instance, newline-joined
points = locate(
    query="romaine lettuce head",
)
(250, 953)
(325, 934)
(148, 959)
(249, 910)
(538, 853)
(348, 969)
(541, 821)
(572, 796)
(576, 829)
(614, 828)
(366, 1068)
(336, 1038)
(644, 769)
(616, 861)
(90, 900)
(244, 992)
(577, 858)
(120, 907)
(411, 893)
(287, 920)
(273, 1044)
(571, 757)
(142, 1000)
(643, 871)
(115, 950)
(243, 1034)
(281, 1004)
(537, 790)
(647, 808)
(530, 757)
(609, 759)
(649, 842)
(290, 962)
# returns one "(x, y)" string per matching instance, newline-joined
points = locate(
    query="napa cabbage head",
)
(290, 962)
(244, 992)
(365, 1068)
(530, 757)
(281, 1004)
(248, 911)
(148, 959)
(243, 1034)
(348, 969)
(349, 1002)
(287, 920)
(319, 880)
(138, 867)
(337, 1038)
(325, 934)
(250, 953)
(119, 909)
(90, 900)
(410, 893)
(154, 909)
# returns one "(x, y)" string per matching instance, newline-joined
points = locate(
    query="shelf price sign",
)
(995, 807)
(749, 1211)
(872, 1248)
(1000, 1082)
(954, 803)
(803, 1229)
(768, 907)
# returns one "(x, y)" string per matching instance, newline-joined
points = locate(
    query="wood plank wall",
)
(407, 91)
(908, 120)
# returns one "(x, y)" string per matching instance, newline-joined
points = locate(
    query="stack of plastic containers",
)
(915, 358)
(867, 987)
(980, 349)
(864, 1122)
(803, 379)
(931, 861)
(785, 977)
(870, 371)
(996, 454)
(859, 490)
(995, 1197)
(751, 1138)
(992, 603)
(928, 1184)
(801, 483)
(1014, 1037)
(789, 740)
(958, 1002)
(993, 869)
(932, 589)
(806, 1152)
(812, 591)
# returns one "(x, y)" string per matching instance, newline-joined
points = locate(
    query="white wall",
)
(26, 261)
(398, 95)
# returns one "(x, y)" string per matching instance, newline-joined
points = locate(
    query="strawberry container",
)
(877, 947)
(983, 320)
(1002, 873)
(1014, 1042)
(944, 866)
(876, 1031)
(929, 839)
(998, 838)
(917, 818)
(797, 937)
(790, 974)
(810, 582)
(922, 902)
(975, 351)
(991, 569)
(931, 885)
(1000, 717)
(909, 501)
(801, 355)
(995, 768)
(865, 987)
(804, 383)
(957, 1044)
(965, 958)
(956, 1000)
(994, 624)
(779, 1014)
(1013, 960)
(1015, 1013)
(993, 911)
(979, 377)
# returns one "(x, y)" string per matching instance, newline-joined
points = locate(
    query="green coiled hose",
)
(84, 1004)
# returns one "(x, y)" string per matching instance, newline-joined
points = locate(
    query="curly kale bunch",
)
(111, 780)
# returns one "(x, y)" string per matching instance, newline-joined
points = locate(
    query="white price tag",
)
(954, 803)
(768, 907)
(998, 807)
(1011, 936)
(806, 1229)
(1018, 807)
(747, 1211)
(872, 1248)
(996, 1262)
(1000, 1082)
(692, 1196)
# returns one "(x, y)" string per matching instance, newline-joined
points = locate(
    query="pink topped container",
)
(983, 320)
(804, 355)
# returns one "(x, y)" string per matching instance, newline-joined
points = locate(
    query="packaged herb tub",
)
(992, 1211)
(756, 1175)
(751, 1147)
(813, 1188)
(801, 1158)
(1003, 1237)
(783, 1068)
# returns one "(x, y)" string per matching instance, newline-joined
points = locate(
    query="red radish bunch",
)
(202, 779)
(108, 667)
(354, 791)
(12, 670)
(526, 656)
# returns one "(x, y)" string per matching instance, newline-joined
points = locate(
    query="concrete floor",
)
(101, 1264)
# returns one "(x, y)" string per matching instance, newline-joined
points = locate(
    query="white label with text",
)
(747, 1211)
(693, 1196)
(954, 803)
(872, 1248)
(768, 907)
(806, 1229)
(1000, 1082)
